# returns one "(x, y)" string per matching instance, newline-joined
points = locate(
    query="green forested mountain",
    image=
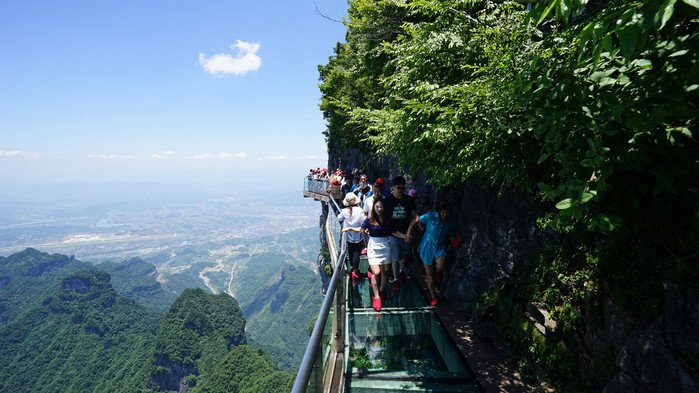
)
(27, 277)
(135, 279)
(247, 370)
(78, 334)
(197, 332)
(85, 337)
(281, 301)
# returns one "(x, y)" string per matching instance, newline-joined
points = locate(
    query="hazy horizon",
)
(58, 214)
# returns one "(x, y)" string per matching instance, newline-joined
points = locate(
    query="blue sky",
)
(162, 91)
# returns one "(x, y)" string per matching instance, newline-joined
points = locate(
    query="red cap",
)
(379, 181)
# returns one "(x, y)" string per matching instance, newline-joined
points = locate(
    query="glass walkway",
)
(353, 348)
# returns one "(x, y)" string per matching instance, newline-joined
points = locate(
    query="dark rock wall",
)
(172, 376)
(499, 234)
(663, 357)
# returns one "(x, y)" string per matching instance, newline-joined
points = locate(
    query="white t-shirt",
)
(368, 205)
(352, 222)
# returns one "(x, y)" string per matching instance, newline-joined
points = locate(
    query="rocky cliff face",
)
(172, 376)
(663, 357)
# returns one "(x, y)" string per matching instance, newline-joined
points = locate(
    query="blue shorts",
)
(442, 252)
(399, 248)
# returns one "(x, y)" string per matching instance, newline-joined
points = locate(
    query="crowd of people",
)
(381, 223)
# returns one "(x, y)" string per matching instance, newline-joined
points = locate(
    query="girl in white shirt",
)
(352, 216)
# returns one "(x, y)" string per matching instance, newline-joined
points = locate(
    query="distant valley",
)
(260, 247)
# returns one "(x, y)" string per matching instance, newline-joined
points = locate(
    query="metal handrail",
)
(306, 368)
(337, 207)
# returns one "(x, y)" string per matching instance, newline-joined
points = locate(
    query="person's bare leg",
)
(384, 276)
(375, 270)
(440, 264)
(429, 277)
(441, 261)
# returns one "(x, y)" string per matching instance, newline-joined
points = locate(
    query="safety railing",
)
(319, 189)
(323, 361)
(318, 186)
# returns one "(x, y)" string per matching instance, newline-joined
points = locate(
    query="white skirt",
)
(378, 251)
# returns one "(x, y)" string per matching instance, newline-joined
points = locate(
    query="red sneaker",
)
(439, 277)
(382, 294)
(395, 286)
(376, 303)
(401, 277)
(433, 302)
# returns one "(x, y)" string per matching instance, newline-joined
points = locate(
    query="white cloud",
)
(161, 155)
(17, 153)
(281, 158)
(245, 60)
(109, 157)
(206, 156)
(224, 155)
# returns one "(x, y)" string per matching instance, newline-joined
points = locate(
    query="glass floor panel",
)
(409, 296)
(402, 348)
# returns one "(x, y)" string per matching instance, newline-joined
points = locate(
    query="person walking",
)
(401, 208)
(440, 227)
(379, 227)
(352, 216)
(376, 189)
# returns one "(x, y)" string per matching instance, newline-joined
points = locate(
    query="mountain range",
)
(72, 326)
